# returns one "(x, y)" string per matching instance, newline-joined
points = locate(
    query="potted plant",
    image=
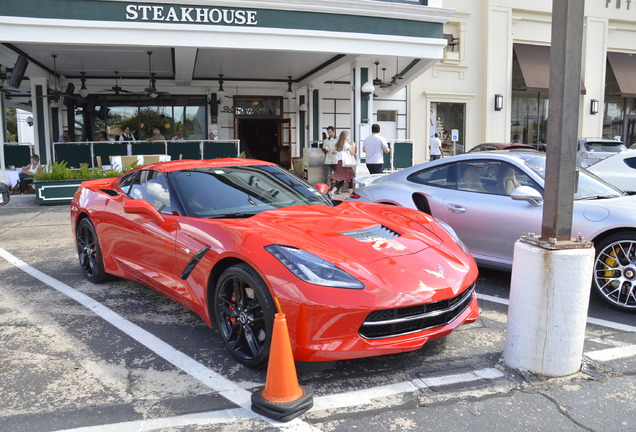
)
(58, 183)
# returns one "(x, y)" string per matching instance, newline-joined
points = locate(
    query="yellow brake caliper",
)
(611, 262)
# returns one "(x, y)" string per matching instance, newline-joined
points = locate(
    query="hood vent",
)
(372, 234)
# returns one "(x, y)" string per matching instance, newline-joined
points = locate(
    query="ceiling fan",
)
(377, 82)
(151, 90)
(55, 93)
(385, 84)
(116, 88)
(398, 76)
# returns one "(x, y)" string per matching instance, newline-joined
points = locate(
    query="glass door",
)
(284, 142)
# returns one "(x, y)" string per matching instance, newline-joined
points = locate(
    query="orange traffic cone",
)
(282, 398)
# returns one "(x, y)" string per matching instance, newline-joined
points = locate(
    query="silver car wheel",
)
(615, 271)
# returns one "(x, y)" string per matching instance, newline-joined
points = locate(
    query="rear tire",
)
(90, 252)
(615, 270)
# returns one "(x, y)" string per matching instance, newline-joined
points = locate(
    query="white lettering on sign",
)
(620, 4)
(191, 15)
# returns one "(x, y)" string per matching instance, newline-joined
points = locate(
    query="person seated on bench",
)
(26, 176)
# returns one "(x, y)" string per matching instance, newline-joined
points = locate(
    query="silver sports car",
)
(491, 199)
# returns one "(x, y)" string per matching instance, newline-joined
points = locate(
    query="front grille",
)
(400, 321)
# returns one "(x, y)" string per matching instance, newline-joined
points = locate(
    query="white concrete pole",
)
(549, 297)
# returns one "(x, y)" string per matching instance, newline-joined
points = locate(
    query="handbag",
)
(348, 160)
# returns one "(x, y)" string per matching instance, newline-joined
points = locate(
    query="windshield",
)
(241, 191)
(589, 186)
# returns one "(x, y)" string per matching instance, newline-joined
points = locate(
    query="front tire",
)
(615, 270)
(244, 313)
(90, 252)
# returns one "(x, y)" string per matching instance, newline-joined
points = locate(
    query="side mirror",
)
(139, 206)
(526, 193)
(322, 188)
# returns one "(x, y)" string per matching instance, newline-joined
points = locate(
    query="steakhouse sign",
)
(190, 14)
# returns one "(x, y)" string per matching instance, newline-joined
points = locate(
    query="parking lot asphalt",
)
(119, 356)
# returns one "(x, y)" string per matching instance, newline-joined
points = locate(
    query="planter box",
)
(54, 192)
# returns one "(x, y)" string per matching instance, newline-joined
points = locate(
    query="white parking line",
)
(612, 353)
(361, 397)
(216, 382)
(590, 320)
(198, 419)
(488, 373)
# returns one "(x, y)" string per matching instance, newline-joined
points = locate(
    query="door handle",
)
(456, 208)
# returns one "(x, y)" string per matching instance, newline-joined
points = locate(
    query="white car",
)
(618, 170)
(593, 150)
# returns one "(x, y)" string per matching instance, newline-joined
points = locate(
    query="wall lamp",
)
(594, 106)
(290, 92)
(220, 93)
(83, 92)
(367, 90)
(498, 102)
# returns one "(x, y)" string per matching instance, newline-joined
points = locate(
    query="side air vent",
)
(372, 234)
(111, 192)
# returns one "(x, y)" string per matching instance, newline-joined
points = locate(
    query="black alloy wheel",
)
(244, 312)
(615, 270)
(90, 253)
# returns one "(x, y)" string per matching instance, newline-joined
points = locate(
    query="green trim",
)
(41, 133)
(301, 125)
(315, 115)
(364, 109)
(98, 10)
(54, 192)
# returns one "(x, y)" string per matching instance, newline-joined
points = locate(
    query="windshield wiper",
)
(232, 216)
(595, 197)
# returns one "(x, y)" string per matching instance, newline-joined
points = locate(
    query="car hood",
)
(368, 233)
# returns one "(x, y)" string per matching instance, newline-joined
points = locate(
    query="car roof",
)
(507, 145)
(519, 156)
(180, 165)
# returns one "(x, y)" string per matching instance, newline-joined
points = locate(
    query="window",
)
(152, 187)
(492, 177)
(443, 176)
(387, 116)
(630, 162)
(446, 117)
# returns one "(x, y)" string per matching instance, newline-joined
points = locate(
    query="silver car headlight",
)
(312, 269)
(453, 234)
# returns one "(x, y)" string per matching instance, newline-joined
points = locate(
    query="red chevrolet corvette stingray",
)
(237, 240)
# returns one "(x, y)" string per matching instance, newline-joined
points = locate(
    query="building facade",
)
(271, 74)
(493, 84)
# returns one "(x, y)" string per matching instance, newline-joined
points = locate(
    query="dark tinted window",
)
(630, 162)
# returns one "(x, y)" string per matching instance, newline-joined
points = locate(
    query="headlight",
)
(453, 234)
(313, 269)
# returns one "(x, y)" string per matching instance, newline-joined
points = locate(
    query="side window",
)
(444, 176)
(492, 177)
(630, 162)
(152, 187)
